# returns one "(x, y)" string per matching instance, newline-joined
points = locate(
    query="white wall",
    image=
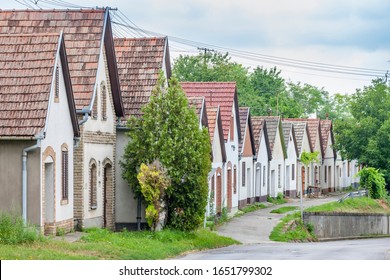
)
(262, 159)
(277, 165)
(291, 160)
(60, 131)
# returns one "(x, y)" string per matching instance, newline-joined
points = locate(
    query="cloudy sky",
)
(315, 42)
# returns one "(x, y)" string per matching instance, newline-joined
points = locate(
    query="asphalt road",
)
(253, 230)
(358, 249)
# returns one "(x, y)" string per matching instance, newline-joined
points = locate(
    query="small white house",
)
(290, 163)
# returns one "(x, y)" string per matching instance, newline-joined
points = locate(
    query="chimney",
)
(327, 115)
(269, 111)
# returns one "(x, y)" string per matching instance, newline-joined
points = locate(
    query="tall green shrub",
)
(14, 231)
(374, 181)
(169, 131)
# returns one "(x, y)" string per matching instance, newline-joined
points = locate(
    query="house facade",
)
(247, 152)
(328, 182)
(38, 131)
(262, 158)
(216, 177)
(139, 62)
(92, 66)
(290, 163)
(223, 94)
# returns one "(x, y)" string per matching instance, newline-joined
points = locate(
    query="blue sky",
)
(344, 32)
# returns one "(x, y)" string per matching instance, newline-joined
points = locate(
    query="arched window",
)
(94, 113)
(92, 185)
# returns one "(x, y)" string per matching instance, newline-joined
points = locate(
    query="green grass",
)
(284, 209)
(291, 229)
(352, 205)
(14, 231)
(103, 244)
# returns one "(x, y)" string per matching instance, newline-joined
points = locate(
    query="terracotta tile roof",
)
(216, 93)
(257, 125)
(139, 62)
(26, 71)
(83, 32)
(326, 129)
(272, 127)
(243, 113)
(212, 121)
(197, 103)
(313, 126)
(300, 129)
(287, 127)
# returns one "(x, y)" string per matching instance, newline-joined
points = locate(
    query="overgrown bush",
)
(14, 231)
(374, 181)
(154, 181)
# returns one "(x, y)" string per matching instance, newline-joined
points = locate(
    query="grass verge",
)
(292, 229)
(104, 244)
(353, 205)
(284, 209)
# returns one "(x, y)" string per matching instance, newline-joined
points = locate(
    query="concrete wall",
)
(11, 179)
(338, 225)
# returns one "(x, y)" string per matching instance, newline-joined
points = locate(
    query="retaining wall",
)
(341, 225)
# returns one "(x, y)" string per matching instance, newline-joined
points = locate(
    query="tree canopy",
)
(169, 132)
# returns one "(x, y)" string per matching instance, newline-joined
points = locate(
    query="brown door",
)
(303, 179)
(229, 189)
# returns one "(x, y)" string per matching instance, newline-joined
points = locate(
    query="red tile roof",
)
(259, 125)
(139, 62)
(83, 31)
(26, 72)
(216, 93)
(326, 130)
(243, 113)
(196, 103)
(313, 126)
(212, 120)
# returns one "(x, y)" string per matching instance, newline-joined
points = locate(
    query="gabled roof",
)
(214, 120)
(245, 123)
(313, 126)
(140, 61)
(326, 130)
(259, 125)
(199, 104)
(288, 128)
(300, 129)
(223, 94)
(273, 124)
(85, 33)
(27, 64)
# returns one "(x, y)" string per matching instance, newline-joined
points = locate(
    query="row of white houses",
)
(67, 88)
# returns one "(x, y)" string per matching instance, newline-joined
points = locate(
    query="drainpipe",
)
(24, 177)
(85, 118)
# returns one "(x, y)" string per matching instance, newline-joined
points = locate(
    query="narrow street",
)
(253, 229)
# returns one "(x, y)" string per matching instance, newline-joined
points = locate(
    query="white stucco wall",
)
(60, 131)
(277, 167)
(305, 148)
(329, 162)
(262, 162)
(290, 164)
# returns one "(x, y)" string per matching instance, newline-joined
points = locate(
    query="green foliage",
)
(169, 131)
(365, 135)
(278, 200)
(14, 231)
(106, 245)
(260, 89)
(285, 209)
(374, 181)
(309, 157)
(351, 205)
(292, 229)
(153, 182)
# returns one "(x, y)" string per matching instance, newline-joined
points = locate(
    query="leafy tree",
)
(374, 181)
(366, 134)
(169, 132)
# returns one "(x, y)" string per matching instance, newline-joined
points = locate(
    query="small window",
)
(325, 174)
(349, 168)
(93, 186)
(65, 174)
(263, 176)
(232, 128)
(243, 174)
(279, 175)
(104, 100)
(57, 85)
